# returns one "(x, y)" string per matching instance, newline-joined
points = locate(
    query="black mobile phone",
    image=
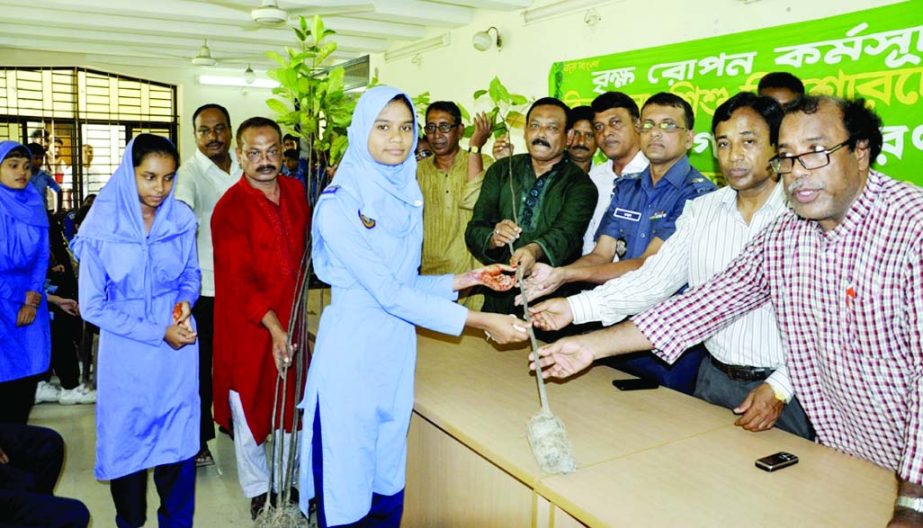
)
(634, 384)
(777, 461)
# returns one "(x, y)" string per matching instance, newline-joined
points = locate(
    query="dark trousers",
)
(176, 487)
(716, 387)
(386, 510)
(28, 479)
(16, 399)
(680, 376)
(66, 336)
(204, 313)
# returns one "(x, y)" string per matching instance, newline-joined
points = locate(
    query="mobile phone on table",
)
(777, 461)
(634, 384)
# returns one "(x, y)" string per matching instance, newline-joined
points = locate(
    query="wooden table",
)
(646, 458)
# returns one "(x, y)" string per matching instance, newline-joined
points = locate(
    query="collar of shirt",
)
(774, 205)
(204, 163)
(676, 175)
(460, 163)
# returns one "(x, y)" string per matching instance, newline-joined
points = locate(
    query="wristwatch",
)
(911, 503)
(474, 150)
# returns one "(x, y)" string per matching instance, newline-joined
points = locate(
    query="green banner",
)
(876, 54)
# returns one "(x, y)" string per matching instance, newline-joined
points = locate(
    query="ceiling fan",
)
(268, 13)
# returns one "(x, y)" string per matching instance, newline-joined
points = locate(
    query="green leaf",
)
(466, 116)
(277, 58)
(469, 131)
(303, 23)
(278, 106)
(317, 28)
(517, 99)
(302, 36)
(338, 148)
(335, 80)
(500, 130)
(479, 93)
(515, 119)
(498, 92)
(325, 51)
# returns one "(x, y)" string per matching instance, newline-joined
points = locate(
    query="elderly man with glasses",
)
(844, 273)
(451, 182)
(641, 216)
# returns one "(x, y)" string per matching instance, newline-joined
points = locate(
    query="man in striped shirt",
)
(746, 369)
(844, 273)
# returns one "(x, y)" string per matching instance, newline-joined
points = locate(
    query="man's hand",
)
(502, 147)
(524, 258)
(543, 280)
(68, 306)
(505, 232)
(26, 315)
(553, 314)
(482, 129)
(179, 336)
(3, 458)
(33, 299)
(281, 351)
(760, 409)
(563, 358)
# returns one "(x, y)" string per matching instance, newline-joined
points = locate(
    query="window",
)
(83, 118)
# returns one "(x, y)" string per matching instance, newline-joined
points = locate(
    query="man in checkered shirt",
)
(844, 273)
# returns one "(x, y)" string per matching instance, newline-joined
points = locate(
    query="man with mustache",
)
(844, 273)
(451, 182)
(200, 182)
(259, 228)
(539, 202)
(746, 370)
(641, 216)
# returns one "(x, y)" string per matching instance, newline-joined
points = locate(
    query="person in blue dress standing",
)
(25, 339)
(366, 241)
(139, 278)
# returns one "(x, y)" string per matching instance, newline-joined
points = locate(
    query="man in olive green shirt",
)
(450, 181)
(541, 202)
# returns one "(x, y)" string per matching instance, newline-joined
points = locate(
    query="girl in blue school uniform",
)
(138, 280)
(366, 238)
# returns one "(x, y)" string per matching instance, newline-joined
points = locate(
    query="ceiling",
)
(169, 33)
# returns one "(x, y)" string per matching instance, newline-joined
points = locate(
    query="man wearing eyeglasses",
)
(200, 182)
(616, 122)
(843, 272)
(641, 216)
(259, 228)
(451, 182)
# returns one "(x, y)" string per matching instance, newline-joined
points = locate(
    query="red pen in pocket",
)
(850, 296)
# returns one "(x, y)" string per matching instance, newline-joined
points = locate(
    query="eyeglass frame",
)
(257, 155)
(667, 127)
(776, 162)
(443, 128)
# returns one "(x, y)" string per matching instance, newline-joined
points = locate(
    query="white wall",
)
(456, 71)
(241, 104)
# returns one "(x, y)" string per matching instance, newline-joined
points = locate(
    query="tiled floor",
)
(219, 501)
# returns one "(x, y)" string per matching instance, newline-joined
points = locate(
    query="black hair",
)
(291, 154)
(860, 122)
(210, 106)
(547, 101)
(59, 140)
(445, 106)
(781, 80)
(767, 107)
(147, 144)
(403, 98)
(291, 137)
(40, 133)
(257, 122)
(579, 113)
(669, 99)
(36, 149)
(610, 100)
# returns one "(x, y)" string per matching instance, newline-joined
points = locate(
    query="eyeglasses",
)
(423, 154)
(668, 127)
(808, 160)
(445, 128)
(205, 131)
(256, 155)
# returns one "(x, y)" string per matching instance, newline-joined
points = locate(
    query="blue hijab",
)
(368, 180)
(21, 205)
(116, 213)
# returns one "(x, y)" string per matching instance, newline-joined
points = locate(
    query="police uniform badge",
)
(369, 223)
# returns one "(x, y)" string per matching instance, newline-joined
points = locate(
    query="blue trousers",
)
(28, 479)
(386, 510)
(680, 376)
(176, 487)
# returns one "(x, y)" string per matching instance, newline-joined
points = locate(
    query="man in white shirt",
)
(746, 370)
(200, 183)
(615, 122)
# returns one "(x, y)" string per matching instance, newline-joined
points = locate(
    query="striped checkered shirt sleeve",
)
(685, 320)
(911, 465)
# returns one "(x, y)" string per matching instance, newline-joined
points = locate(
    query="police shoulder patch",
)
(331, 189)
